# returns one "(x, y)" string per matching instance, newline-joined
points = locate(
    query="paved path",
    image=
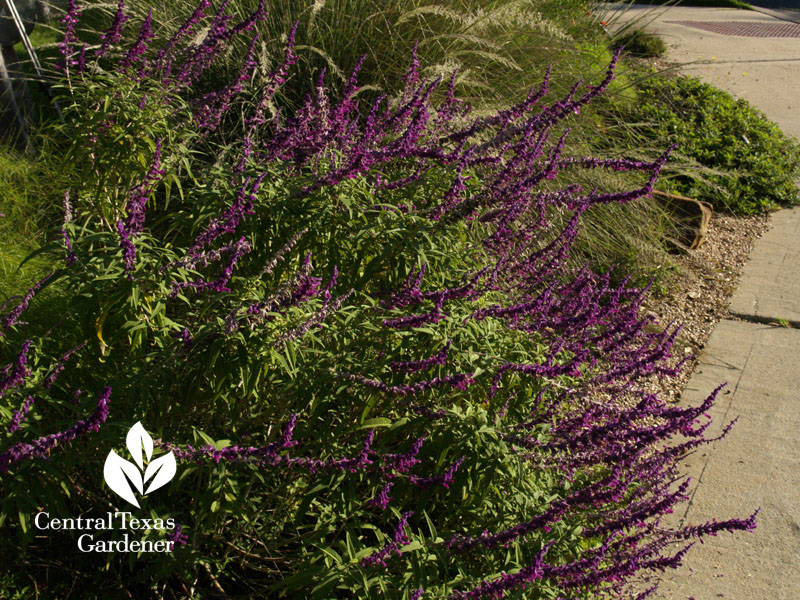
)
(758, 463)
(769, 289)
(763, 70)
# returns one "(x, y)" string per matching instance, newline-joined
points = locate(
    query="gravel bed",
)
(698, 298)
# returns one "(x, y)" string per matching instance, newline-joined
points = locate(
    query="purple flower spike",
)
(413, 366)
(444, 480)
(459, 381)
(381, 556)
(215, 41)
(42, 446)
(66, 49)
(185, 337)
(114, 33)
(401, 463)
(12, 318)
(316, 319)
(134, 54)
(20, 415)
(70, 258)
(51, 378)
(213, 106)
(498, 587)
(176, 536)
(133, 224)
(383, 498)
(162, 58)
(713, 527)
(9, 378)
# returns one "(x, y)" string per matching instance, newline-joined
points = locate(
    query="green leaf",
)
(351, 552)
(23, 520)
(375, 422)
(414, 545)
(330, 552)
(206, 438)
(431, 527)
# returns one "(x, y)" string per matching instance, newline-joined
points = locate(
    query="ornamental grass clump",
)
(355, 331)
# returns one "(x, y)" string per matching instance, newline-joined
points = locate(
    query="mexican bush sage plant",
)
(355, 329)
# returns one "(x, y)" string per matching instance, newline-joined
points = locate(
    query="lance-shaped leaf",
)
(114, 472)
(137, 439)
(163, 468)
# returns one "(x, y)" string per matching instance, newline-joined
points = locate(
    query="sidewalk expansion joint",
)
(762, 320)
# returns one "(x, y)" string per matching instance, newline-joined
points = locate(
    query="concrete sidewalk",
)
(769, 290)
(763, 70)
(758, 463)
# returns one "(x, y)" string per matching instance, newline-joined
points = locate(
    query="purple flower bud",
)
(19, 415)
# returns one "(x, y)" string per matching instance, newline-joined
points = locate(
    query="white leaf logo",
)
(136, 439)
(164, 470)
(114, 472)
(120, 473)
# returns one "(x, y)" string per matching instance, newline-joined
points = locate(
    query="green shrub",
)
(640, 43)
(359, 339)
(497, 46)
(748, 164)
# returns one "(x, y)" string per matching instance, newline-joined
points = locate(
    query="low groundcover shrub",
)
(640, 43)
(354, 332)
(751, 166)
